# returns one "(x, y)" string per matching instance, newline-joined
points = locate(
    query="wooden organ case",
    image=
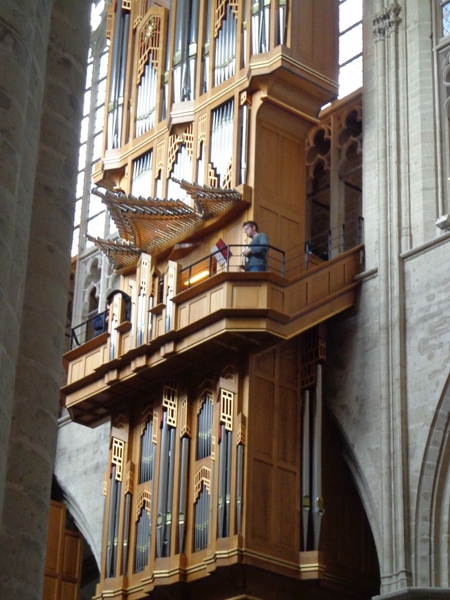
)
(217, 464)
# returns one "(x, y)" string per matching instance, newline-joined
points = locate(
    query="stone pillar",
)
(24, 28)
(32, 436)
(390, 73)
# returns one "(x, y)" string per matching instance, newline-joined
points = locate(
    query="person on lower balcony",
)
(257, 250)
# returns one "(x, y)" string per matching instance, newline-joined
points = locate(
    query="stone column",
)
(32, 438)
(24, 28)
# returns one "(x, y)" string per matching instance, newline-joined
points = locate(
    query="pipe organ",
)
(213, 377)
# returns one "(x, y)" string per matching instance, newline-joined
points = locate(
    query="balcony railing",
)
(229, 259)
(89, 329)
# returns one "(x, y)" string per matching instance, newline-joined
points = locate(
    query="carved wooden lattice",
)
(155, 428)
(188, 138)
(213, 447)
(226, 409)
(226, 185)
(185, 418)
(160, 150)
(203, 476)
(150, 44)
(205, 393)
(229, 372)
(144, 501)
(147, 414)
(213, 180)
(175, 142)
(139, 11)
(201, 132)
(129, 478)
(145, 266)
(313, 350)
(220, 11)
(117, 457)
(240, 435)
(109, 19)
(170, 398)
(120, 422)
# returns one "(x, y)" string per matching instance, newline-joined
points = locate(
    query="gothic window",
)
(350, 46)
(89, 212)
(445, 17)
(442, 62)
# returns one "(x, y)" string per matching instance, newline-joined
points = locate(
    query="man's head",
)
(250, 228)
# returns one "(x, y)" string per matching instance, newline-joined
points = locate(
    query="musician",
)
(256, 252)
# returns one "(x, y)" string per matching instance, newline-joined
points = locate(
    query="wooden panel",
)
(72, 550)
(198, 309)
(273, 446)
(298, 300)
(287, 364)
(337, 278)
(319, 287)
(276, 299)
(217, 300)
(263, 418)
(93, 361)
(126, 342)
(183, 316)
(289, 417)
(69, 591)
(314, 36)
(265, 363)
(63, 557)
(56, 524)
(286, 529)
(76, 370)
(291, 183)
(246, 297)
(262, 508)
(50, 588)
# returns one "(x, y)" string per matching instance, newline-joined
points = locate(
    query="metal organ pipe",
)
(121, 82)
(182, 502)
(260, 26)
(206, 48)
(222, 138)
(142, 176)
(317, 459)
(245, 34)
(244, 141)
(306, 469)
(162, 488)
(169, 499)
(192, 48)
(165, 490)
(113, 524)
(177, 71)
(126, 533)
(146, 99)
(115, 62)
(225, 48)
(282, 21)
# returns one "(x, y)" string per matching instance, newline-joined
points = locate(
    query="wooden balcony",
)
(244, 311)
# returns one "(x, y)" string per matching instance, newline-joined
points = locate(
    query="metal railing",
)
(229, 259)
(89, 329)
(323, 247)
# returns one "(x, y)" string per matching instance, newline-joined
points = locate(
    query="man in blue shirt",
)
(258, 248)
